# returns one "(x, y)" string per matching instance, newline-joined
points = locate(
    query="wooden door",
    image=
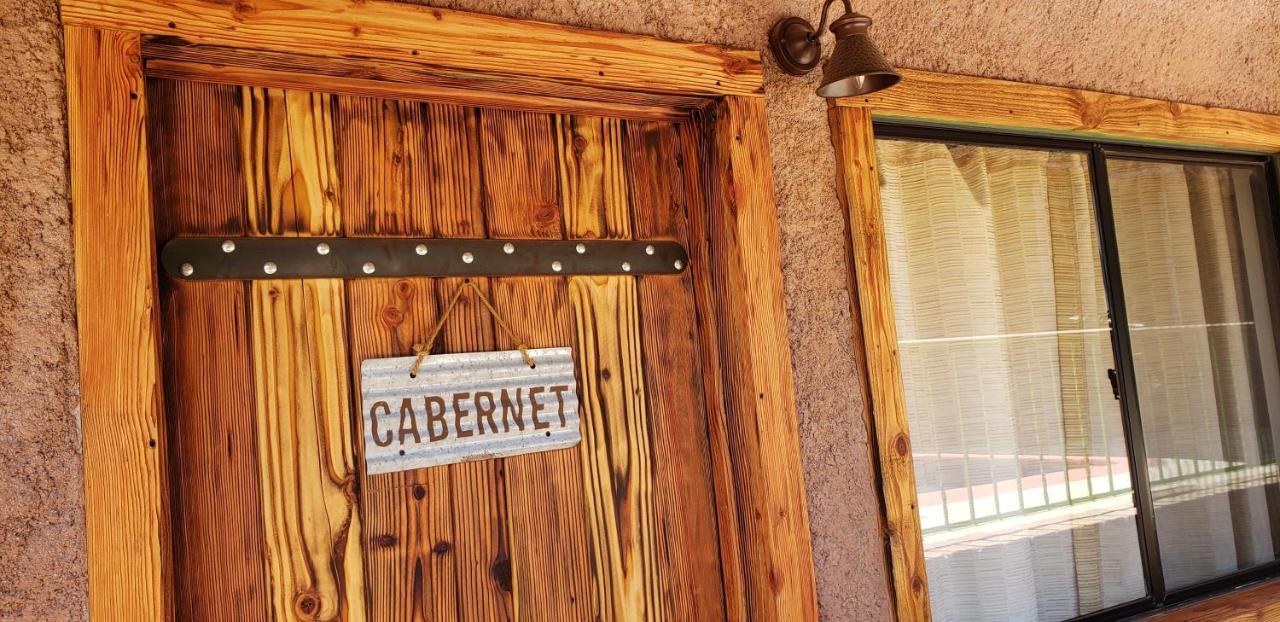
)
(273, 517)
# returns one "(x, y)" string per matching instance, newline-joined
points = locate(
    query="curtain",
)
(1004, 343)
(1188, 239)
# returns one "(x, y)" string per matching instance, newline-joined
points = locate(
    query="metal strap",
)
(203, 258)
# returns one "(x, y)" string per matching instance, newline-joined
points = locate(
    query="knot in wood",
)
(306, 604)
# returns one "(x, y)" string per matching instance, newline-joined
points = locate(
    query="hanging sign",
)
(446, 408)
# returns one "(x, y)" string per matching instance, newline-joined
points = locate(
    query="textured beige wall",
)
(1220, 52)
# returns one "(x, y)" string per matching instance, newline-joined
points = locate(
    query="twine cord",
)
(424, 349)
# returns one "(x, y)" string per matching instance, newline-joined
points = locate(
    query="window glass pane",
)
(1198, 263)
(1019, 450)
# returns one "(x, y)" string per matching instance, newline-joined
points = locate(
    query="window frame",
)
(931, 106)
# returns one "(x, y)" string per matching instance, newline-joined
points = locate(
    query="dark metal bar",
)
(1003, 138)
(200, 258)
(1123, 353)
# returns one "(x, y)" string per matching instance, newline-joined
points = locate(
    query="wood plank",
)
(618, 474)
(480, 509)
(1259, 602)
(440, 37)
(508, 94)
(122, 414)
(314, 538)
(408, 516)
(313, 532)
(984, 102)
(697, 160)
(217, 510)
(684, 499)
(745, 279)
(287, 154)
(859, 189)
(549, 539)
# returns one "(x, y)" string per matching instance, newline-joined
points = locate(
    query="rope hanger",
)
(423, 350)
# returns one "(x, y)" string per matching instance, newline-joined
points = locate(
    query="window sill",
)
(1249, 603)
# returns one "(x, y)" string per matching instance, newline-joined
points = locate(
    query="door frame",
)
(370, 47)
(984, 104)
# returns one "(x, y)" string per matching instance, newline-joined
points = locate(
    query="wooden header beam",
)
(1000, 104)
(440, 38)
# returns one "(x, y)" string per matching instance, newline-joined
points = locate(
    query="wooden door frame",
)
(398, 50)
(996, 105)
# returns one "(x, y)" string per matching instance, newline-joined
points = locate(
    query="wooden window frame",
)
(984, 104)
(369, 47)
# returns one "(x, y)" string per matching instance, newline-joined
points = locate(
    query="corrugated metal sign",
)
(463, 407)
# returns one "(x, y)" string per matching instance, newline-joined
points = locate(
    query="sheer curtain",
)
(1005, 350)
(1195, 253)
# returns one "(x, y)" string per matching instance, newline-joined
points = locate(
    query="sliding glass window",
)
(1007, 259)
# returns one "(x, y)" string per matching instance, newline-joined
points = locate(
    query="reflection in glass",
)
(1020, 460)
(1198, 263)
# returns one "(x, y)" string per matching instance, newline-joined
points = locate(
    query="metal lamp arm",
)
(817, 32)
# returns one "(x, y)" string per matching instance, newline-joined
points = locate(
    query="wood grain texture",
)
(407, 516)
(684, 497)
(1259, 602)
(122, 413)
(745, 281)
(618, 469)
(482, 535)
(440, 37)
(386, 168)
(551, 569)
(313, 535)
(859, 188)
(697, 160)
(984, 102)
(290, 169)
(216, 507)
(313, 532)
(353, 78)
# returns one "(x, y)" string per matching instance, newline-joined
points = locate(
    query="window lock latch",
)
(1114, 377)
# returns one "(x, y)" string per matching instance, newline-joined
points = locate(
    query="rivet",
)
(420, 249)
(322, 248)
(679, 265)
(467, 257)
(188, 269)
(368, 267)
(649, 250)
(508, 248)
(581, 248)
(269, 267)
(228, 246)
(626, 266)
(555, 265)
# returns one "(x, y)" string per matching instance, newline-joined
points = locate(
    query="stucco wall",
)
(1219, 52)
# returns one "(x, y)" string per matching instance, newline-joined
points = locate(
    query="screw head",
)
(228, 246)
(269, 267)
(368, 267)
(626, 266)
(467, 257)
(679, 265)
(420, 249)
(188, 269)
(508, 248)
(555, 265)
(581, 248)
(649, 250)
(322, 248)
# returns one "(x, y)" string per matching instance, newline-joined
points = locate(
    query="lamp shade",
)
(856, 66)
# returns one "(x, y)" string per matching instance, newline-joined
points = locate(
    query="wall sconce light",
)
(856, 66)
